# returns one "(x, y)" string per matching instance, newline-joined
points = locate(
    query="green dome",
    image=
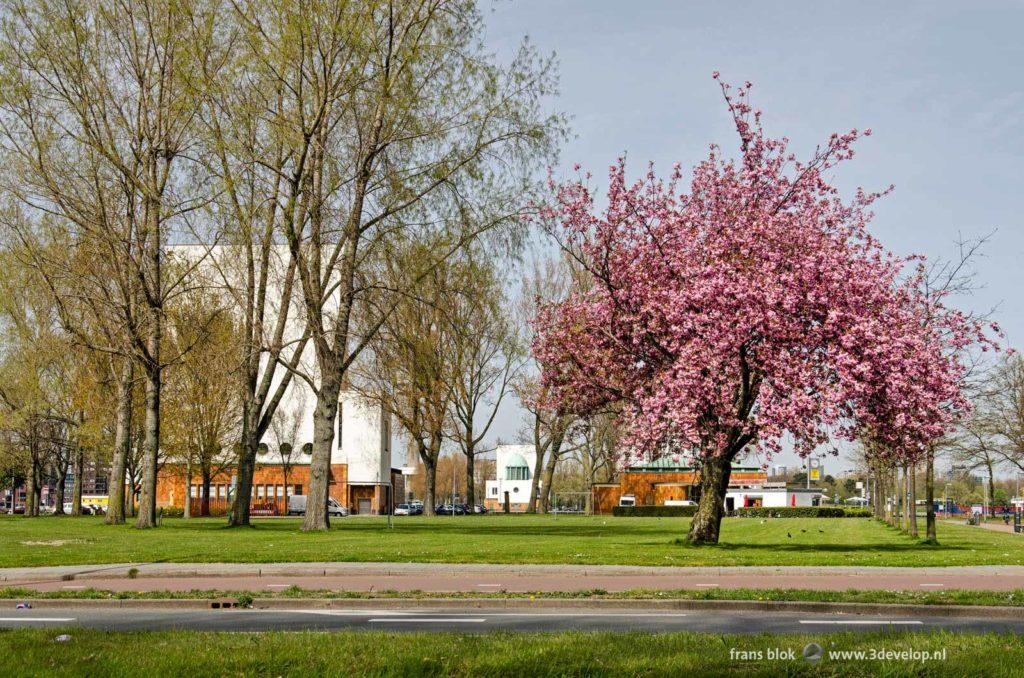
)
(516, 460)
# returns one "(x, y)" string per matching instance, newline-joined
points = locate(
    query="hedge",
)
(803, 512)
(654, 511)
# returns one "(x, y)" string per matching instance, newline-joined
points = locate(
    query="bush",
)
(654, 511)
(803, 512)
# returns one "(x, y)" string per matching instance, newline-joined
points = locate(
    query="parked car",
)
(479, 508)
(680, 502)
(403, 510)
(297, 506)
(450, 510)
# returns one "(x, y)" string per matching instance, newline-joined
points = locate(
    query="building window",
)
(222, 491)
(298, 489)
(517, 473)
(280, 491)
(259, 492)
(494, 491)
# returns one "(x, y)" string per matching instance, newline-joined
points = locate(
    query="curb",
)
(390, 569)
(903, 610)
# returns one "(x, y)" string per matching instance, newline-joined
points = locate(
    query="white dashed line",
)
(37, 619)
(861, 621)
(430, 620)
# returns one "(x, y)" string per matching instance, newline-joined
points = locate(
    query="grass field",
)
(29, 652)
(502, 539)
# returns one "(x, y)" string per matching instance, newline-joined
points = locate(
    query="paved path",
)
(439, 577)
(458, 618)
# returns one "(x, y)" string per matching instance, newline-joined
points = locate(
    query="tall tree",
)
(486, 353)
(97, 119)
(753, 306)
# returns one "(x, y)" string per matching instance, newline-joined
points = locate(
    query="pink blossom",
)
(753, 304)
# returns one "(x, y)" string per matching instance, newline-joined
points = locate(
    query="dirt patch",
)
(53, 542)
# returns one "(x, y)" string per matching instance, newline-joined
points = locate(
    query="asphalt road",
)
(484, 620)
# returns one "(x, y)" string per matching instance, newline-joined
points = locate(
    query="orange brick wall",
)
(170, 486)
(653, 488)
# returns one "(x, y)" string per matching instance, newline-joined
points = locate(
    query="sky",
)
(941, 85)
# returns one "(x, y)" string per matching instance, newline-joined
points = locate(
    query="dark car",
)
(450, 510)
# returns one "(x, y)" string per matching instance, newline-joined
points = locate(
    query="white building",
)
(362, 475)
(771, 497)
(514, 466)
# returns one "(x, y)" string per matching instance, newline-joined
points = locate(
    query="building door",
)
(364, 507)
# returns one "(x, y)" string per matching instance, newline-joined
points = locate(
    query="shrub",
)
(803, 512)
(654, 511)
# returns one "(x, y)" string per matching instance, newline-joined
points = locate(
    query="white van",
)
(297, 506)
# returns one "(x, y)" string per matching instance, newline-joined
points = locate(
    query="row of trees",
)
(334, 166)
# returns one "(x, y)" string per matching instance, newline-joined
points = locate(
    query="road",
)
(485, 620)
(497, 578)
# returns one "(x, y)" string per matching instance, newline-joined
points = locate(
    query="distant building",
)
(361, 477)
(514, 466)
(663, 482)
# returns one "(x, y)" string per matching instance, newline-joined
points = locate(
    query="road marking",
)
(860, 621)
(37, 619)
(587, 614)
(706, 585)
(936, 585)
(406, 613)
(72, 587)
(429, 620)
(489, 584)
(346, 613)
(278, 586)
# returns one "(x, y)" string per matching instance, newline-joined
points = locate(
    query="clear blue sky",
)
(940, 83)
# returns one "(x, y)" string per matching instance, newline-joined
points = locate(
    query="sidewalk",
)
(440, 577)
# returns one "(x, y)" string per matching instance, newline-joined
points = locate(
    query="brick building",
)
(657, 482)
(362, 477)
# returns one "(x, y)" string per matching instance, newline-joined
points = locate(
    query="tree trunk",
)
(714, 480)
(991, 490)
(538, 467)
(147, 500)
(429, 485)
(324, 418)
(204, 505)
(929, 496)
(284, 476)
(186, 511)
(547, 482)
(76, 490)
(122, 444)
(588, 474)
(912, 500)
(31, 483)
(58, 507)
(239, 515)
(470, 480)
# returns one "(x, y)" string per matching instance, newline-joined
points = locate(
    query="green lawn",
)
(502, 539)
(30, 652)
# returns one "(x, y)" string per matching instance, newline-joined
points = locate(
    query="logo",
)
(813, 653)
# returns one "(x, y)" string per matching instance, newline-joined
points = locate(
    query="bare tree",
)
(486, 353)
